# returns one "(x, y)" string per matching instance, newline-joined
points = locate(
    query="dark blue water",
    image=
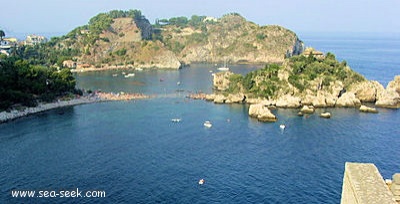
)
(133, 151)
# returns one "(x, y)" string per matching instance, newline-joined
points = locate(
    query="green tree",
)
(2, 34)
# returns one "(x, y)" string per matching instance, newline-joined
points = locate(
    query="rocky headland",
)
(127, 39)
(318, 83)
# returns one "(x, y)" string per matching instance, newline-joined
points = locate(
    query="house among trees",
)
(35, 39)
(7, 44)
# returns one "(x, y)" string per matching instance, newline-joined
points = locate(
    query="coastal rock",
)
(253, 100)
(319, 101)
(210, 97)
(325, 115)
(364, 108)
(235, 98)
(219, 99)
(221, 80)
(307, 109)
(288, 101)
(330, 100)
(388, 99)
(367, 91)
(262, 113)
(395, 84)
(348, 99)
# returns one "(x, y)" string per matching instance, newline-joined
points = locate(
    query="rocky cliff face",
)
(233, 39)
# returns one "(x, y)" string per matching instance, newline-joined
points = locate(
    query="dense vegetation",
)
(301, 70)
(26, 84)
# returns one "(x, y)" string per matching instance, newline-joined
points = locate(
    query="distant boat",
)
(224, 68)
(282, 126)
(176, 120)
(130, 75)
(201, 181)
(139, 69)
(207, 124)
(178, 83)
(115, 75)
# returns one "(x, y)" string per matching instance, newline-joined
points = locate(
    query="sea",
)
(133, 152)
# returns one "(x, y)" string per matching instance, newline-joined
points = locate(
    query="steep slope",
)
(231, 38)
(127, 39)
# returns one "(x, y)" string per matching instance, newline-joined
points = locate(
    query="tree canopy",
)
(25, 84)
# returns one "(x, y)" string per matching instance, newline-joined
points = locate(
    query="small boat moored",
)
(176, 120)
(207, 124)
(201, 181)
(130, 75)
(282, 126)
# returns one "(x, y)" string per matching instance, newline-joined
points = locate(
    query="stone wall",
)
(362, 183)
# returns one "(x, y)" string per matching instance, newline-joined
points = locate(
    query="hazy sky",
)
(61, 16)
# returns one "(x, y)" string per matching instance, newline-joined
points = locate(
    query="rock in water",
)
(262, 113)
(367, 109)
(307, 109)
(325, 115)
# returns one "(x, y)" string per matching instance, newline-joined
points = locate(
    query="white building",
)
(34, 40)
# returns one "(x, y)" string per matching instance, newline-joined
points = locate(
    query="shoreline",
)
(92, 98)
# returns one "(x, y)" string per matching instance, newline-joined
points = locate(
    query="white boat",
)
(201, 181)
(224, 68)
(176, 120)
(207, 124)
(139, 69)
(115, 75)
(130, 75)
(282, 126)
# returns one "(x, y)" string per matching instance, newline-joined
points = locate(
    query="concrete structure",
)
(362, 184)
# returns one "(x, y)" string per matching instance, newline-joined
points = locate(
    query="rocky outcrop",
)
(325, 115)
(288, 101)
(367, 91)
(366, 109)
(146, 29)
(233, 39)
(388, 99)
(395, 187)
(394, 85)
(235, 98)
(221, 80)
(348, 99)
(262, 113)
(219, 99)
(307, 109)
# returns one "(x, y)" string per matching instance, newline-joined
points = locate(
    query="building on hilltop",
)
(34, 40)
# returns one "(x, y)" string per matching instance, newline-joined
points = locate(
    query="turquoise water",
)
(133, 151)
